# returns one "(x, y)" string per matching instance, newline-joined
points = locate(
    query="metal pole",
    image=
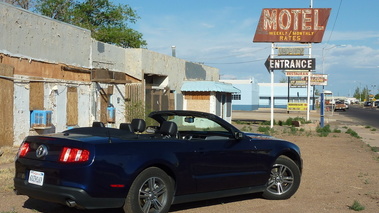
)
(309, 84)
(322, 113)
(272, 87)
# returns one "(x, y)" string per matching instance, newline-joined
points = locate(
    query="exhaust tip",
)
(70, 203)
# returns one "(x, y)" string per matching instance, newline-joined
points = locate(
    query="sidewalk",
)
(337, 120)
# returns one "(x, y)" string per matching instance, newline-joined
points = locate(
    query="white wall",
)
(21, 119)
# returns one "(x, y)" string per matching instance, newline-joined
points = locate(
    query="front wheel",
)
(151, 192)
(284, 179)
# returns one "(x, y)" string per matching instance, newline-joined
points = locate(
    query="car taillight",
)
(24, 149)
(74, 155)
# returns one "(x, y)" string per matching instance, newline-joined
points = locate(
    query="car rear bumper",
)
(69, 196)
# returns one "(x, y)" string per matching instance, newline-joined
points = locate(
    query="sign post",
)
(294, 25)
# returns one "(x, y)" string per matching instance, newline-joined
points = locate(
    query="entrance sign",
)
(300, 25)
(290, 63)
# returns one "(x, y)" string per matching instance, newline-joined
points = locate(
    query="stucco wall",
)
(107, 56)
(143, 61)
(32, 36)
(21, 118)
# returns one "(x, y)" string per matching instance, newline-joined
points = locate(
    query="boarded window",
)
(198, 101)
(72, 106)
(36, 96)
(197, 96)
(6, 112)
(135, 101)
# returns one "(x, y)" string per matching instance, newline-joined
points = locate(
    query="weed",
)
(373, 129)
(247, 129)
(373, 148)
(242, 122)
(266, 123)
(336, 131)
(293, 130)
(352, 133)
(323, 131)
(356, 206)
(263, 129)
(266, 130)
(367, 127)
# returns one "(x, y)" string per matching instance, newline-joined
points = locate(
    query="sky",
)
(220, 33)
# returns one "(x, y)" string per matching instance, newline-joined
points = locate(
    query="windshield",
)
(192, 123)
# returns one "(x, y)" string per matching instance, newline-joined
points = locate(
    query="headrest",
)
(98, 124)
(126, 126)
(138, 125)
(169, 128)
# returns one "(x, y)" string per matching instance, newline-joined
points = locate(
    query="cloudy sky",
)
(219, 34)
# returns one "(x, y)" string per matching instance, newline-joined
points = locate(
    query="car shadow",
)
(47, 207)
(218, 201)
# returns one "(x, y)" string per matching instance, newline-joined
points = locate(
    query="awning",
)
(208, 86)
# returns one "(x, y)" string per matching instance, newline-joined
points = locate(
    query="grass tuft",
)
(357, 206)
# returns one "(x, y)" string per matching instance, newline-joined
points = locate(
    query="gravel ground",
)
(338, 170)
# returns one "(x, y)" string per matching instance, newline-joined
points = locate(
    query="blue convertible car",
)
(187, 156)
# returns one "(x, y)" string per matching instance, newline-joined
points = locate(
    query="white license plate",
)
(36, 177)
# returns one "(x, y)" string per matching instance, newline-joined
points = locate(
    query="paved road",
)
(365, 116)
(357, 118)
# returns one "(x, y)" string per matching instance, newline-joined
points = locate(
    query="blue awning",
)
(208, 86)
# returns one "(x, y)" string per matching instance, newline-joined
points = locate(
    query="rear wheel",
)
(284, 179)
(151, 192)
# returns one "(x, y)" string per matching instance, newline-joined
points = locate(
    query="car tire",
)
(284, 179)
(151, 191)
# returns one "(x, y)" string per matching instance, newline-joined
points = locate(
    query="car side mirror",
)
(238, 135)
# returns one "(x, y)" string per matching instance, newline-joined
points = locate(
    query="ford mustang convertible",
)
(184, 156)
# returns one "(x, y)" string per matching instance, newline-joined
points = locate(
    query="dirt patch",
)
(338, 170)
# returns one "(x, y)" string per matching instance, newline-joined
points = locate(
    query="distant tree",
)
(357, 94)
(106, 21)
(25, 4)
(56, 9)
(283, 80)
(317, 92)
(365, 93)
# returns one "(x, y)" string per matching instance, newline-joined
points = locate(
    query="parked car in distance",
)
(340, 105)
(188, 156)
(367, 104)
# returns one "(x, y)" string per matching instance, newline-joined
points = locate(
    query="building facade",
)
(54, 76)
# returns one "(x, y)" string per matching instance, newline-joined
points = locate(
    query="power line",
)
(241, 62)
(335, 21)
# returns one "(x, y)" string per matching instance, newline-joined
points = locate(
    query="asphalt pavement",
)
(337, 120)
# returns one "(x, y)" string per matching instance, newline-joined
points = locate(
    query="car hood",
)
(259, 136)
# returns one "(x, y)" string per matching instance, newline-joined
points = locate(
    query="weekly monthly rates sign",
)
(299, 25)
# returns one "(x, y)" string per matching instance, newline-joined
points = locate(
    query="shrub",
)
(323, 131)
(266, 130)
(352, 133)
(357, 206)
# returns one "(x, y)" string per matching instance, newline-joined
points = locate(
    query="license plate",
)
(36, 177)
